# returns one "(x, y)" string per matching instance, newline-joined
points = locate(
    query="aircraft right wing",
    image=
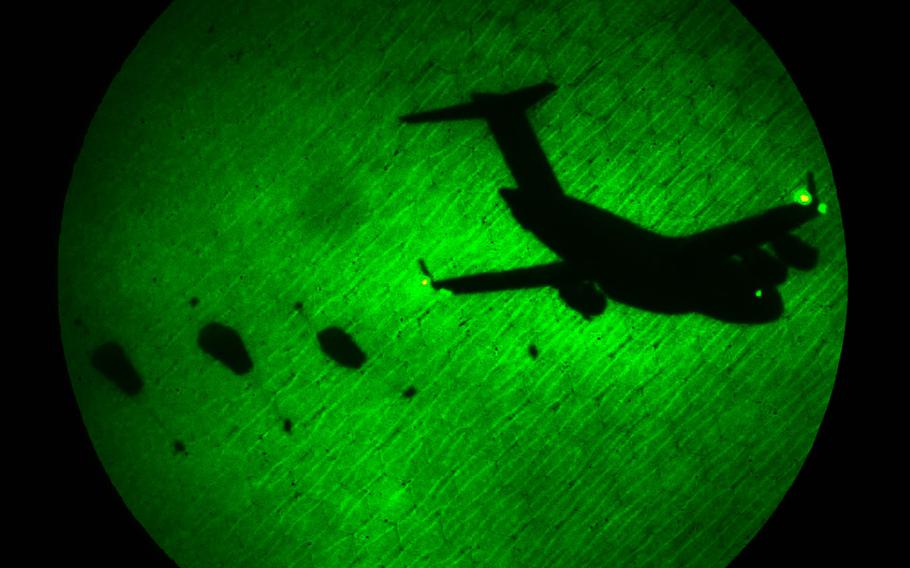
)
(771, 227)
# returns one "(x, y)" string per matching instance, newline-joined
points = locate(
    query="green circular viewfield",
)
(266, 375)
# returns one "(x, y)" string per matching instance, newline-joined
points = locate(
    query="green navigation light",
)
(802, 196)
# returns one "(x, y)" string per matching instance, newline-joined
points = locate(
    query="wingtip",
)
(423, 268)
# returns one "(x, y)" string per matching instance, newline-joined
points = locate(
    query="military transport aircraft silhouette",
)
(724, 272)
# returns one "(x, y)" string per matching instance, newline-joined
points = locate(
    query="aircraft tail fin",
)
(483, 105)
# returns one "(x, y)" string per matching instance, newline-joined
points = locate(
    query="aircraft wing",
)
(551, 274)
(486, 105)
(772, 226)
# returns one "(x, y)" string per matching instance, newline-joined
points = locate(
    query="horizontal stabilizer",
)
(520, 99)
(484, 105)
(457, 112)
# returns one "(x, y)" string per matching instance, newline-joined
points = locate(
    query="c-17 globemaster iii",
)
(724, 272)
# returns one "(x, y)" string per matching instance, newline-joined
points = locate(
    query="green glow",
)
(758, 293)
(802, 196)
(250, 158)
(823, 208)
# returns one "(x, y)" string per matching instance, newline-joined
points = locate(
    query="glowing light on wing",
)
(802, 196)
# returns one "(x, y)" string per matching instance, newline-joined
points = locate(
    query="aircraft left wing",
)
(551, 274)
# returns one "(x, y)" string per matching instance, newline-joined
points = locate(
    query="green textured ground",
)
(251, 156)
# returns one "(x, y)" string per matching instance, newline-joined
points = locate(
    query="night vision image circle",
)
(436, 283)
